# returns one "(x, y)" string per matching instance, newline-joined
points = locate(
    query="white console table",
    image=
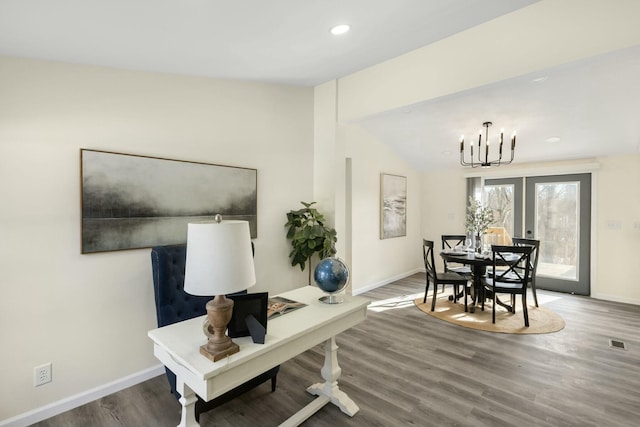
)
(177, 346)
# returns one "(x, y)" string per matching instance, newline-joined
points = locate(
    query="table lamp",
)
(219, 262)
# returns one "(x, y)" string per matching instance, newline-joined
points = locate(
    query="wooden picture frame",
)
(393, 206)
(130, 201)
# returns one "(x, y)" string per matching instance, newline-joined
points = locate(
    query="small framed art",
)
(393, 206)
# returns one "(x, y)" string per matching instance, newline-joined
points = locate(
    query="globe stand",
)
(331, 275)
(331, 299)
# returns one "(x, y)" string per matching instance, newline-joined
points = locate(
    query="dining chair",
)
(442, 278)
(510, 274)
(535, 244)
(450, 241)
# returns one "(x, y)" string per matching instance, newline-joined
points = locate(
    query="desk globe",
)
(331, 275)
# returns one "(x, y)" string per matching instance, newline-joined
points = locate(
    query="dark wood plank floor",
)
(405, 368)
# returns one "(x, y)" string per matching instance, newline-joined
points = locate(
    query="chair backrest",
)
(512, 264)
(450, 241)
(535, 244)
(429, 260)
(173, 304)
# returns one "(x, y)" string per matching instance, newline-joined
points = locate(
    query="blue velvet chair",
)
(173, 305)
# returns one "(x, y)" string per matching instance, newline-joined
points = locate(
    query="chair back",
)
(173, 304)
(535, 244)
(450, 241)
(429, 259)
(512, 264)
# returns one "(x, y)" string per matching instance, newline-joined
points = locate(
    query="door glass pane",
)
(556, 226)
(500, 199)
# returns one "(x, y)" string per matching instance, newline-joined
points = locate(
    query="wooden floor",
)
(405, 368)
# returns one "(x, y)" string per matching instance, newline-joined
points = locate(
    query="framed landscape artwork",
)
(131, 201)
(393, 206)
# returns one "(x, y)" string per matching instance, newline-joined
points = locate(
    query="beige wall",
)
(89, 314)
(376, 262)
(618, 202)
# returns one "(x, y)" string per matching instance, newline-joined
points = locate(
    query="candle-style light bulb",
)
(486, 151)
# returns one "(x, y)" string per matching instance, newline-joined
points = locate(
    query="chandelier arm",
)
(462, 162)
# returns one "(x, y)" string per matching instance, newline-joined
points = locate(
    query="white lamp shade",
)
(219, 258)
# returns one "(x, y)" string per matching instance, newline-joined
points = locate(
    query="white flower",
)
(479, 217)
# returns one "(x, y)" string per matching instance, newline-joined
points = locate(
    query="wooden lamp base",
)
(233, 348)
(219, 345)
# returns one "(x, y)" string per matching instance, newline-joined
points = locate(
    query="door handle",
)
(529, 232)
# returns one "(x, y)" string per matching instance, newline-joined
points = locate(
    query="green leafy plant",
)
(309, 236)
(479, 217)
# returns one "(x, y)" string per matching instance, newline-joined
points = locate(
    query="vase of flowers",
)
(479, 218)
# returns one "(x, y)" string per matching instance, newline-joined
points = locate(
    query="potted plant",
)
(309, 235)
(479, 218)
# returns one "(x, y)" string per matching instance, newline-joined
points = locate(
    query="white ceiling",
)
(278, 41)
(592, 106)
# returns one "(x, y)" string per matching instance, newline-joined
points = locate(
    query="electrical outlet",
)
(42, 374)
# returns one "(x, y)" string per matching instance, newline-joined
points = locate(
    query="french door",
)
(557, 211)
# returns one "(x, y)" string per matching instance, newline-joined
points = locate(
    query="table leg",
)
(331, 372)
(479, 291)
(188, 401)
(478, 272)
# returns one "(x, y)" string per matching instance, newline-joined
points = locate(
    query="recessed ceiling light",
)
(539, 79)
(553, 139)
(340, 29)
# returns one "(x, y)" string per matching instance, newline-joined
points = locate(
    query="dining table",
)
(478, 261)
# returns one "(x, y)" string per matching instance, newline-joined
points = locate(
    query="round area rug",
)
(541, 320)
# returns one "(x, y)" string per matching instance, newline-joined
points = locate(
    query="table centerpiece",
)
(479, 218)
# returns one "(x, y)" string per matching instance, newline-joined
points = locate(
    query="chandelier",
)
(483, 152)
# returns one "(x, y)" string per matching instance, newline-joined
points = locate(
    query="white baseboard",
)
(80, 399)
(373, 286)
(615, 298)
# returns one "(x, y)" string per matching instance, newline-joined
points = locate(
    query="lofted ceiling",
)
(592, 105)
(583, 109)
